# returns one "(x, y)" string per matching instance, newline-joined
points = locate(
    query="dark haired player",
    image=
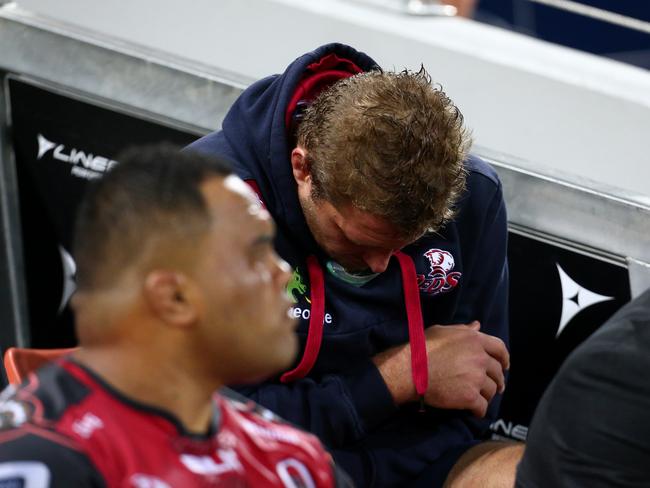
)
(180, 292)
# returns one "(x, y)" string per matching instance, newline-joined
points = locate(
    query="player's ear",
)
(300, 165)
(172, 297)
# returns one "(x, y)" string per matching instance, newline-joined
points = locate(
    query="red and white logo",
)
(440, 278)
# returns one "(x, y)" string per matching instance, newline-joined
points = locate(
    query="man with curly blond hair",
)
(399, 237)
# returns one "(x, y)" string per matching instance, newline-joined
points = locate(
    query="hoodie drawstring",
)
(417, 341)
(316, 319)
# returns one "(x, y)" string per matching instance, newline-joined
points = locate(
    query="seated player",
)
(179, 292)
(398, 240)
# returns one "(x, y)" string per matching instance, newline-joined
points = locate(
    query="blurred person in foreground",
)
(592, 426)
(398, 240)
(179, 292)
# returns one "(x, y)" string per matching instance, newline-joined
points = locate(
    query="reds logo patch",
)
(440, 278)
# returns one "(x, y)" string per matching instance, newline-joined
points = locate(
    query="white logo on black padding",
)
(575, 298)
(69, 271)
(44, 146)
(83, 164)
(503, 430)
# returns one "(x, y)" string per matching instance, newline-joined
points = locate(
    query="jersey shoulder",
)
(32, 452)
(42, 399)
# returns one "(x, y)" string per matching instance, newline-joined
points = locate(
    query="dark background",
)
(49, 194)
(536, 301)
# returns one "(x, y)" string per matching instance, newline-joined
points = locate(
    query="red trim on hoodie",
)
(317, 77)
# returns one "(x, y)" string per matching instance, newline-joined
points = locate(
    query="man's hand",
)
(465, 368)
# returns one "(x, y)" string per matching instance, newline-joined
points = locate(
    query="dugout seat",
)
(19, 362)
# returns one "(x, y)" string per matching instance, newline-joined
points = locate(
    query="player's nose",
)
(377, 261)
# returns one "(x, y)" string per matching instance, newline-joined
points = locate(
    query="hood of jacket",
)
(257, 129)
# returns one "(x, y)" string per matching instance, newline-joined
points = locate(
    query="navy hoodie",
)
(460, 274)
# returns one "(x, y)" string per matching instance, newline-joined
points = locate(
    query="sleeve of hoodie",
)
(485, 294)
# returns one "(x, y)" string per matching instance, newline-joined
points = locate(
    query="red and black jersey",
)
(65, 427)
